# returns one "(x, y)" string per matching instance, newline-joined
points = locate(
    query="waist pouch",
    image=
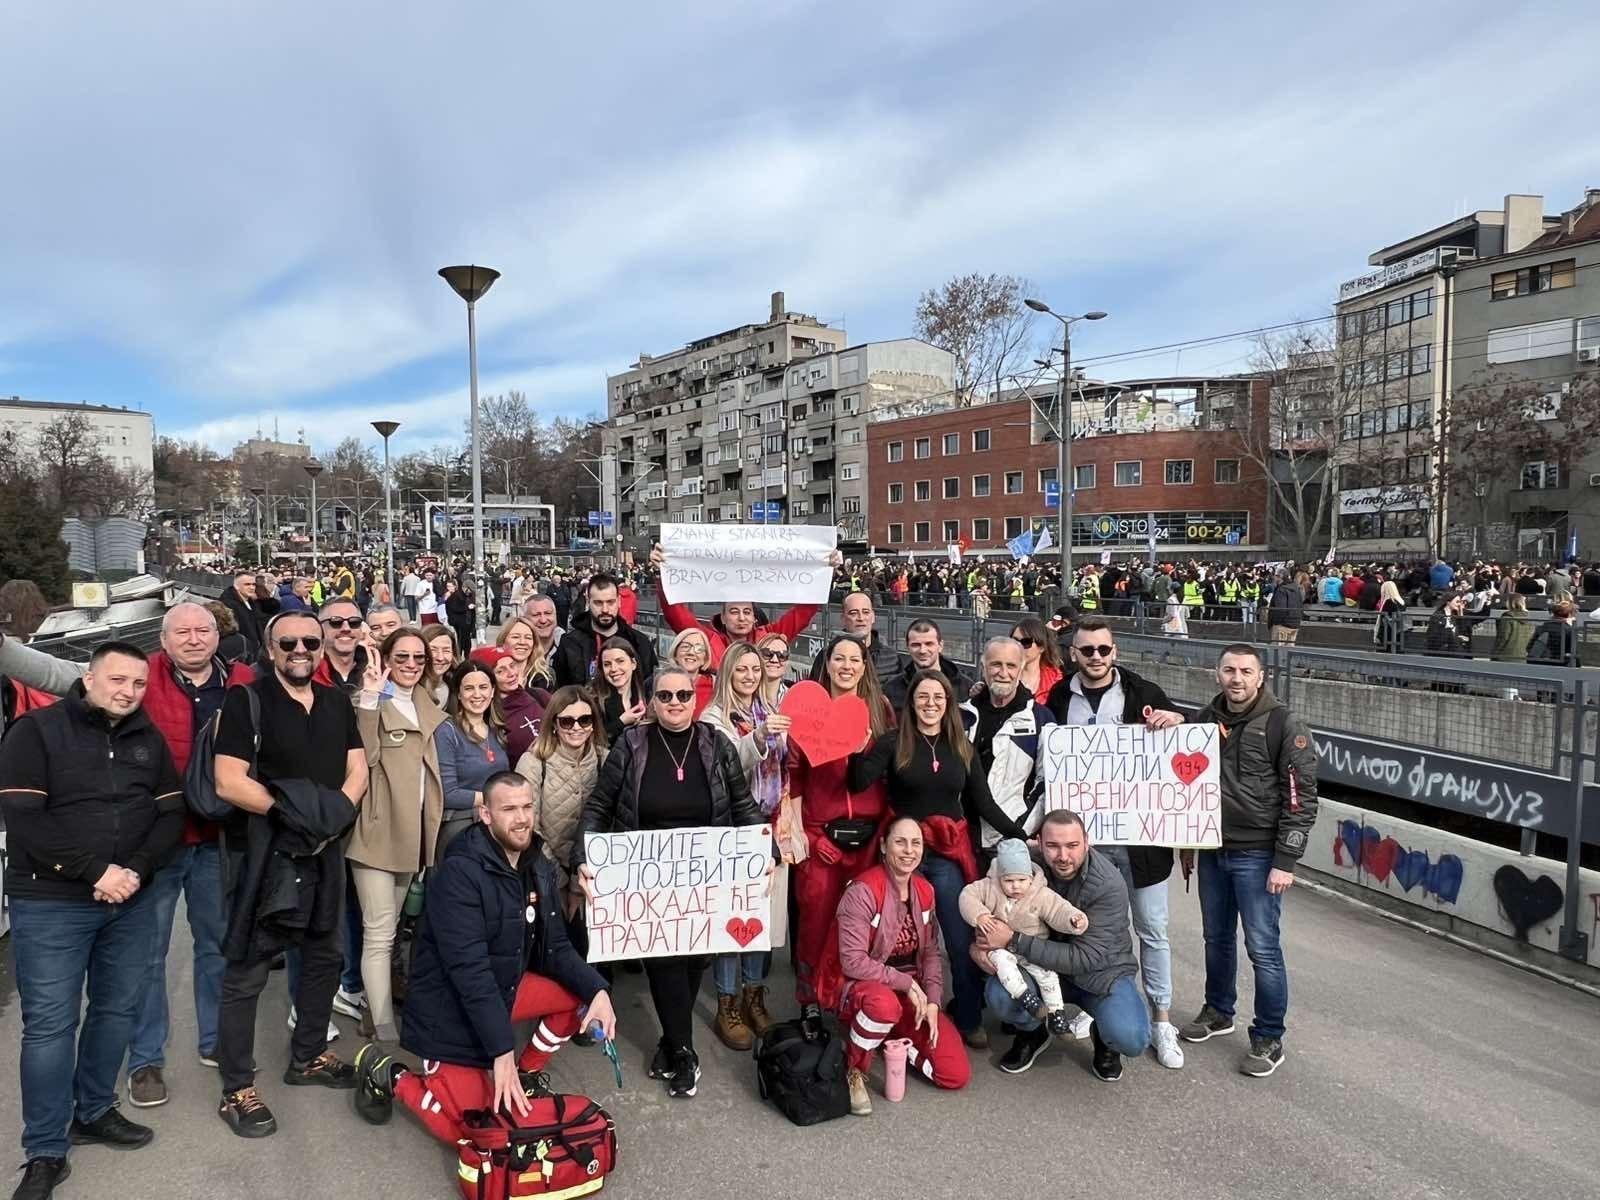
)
(850, 833)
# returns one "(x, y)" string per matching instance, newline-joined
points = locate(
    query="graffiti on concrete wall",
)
(1526, 902)
(1359, 846)
(1437, 781)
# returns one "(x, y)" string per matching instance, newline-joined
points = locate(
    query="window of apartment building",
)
(1522, 343)
(980, 529)
(850, 504)
(1013, 483)
(713, 457)
(800, 508)
(819, 441)
(675, 463)
(1227, 470)
(774, 443)
(1589, 334)
(822, 408)
(851, 405)
(753, 452)
(1013, 527)
(799, 477)
(727, 422)
(850, 437)
(1546, 277)
(1409, 523)
(850, 471)
(924, 490)
(922, 529)
(752, 421)
(1082, 476)
(980, 440)
(897, 534)
(922, 448)
(897, 493)
(1540, 475)
(952, 532)
(798, 445)
(980, 486)
(1047, 475)
(1179, 471)
(773, 414)
(798, 413)
(952, 487)
(952, 444)
(1126, 474)
(897, 452)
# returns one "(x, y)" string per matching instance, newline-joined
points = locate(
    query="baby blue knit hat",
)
(1012, 855)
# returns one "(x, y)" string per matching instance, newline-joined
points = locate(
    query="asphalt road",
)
(1415, 1069)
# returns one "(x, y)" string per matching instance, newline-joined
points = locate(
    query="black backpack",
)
(200, 776)
(804, 1077)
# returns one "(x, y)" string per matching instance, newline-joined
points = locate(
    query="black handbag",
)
(850, 833)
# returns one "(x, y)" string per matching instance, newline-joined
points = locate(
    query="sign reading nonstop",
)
(1135, 786)
(766, 564)
(664, 892)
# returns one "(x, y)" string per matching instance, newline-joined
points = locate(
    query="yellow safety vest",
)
(1191, 594)
(1089, 593)
(1229, 589)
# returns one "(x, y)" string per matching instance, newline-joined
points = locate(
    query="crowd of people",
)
(346, 776)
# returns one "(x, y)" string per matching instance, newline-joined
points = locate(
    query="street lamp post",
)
(386, 431)
(260, 554)
(313, 469)
(1064, 430)
(470, 283)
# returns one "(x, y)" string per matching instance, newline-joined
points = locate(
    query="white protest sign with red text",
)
(1135, 786)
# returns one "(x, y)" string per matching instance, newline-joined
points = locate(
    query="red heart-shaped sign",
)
(823, 726)
(744, 931)
(1189, 767)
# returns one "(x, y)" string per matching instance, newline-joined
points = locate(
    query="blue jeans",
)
(197, 873)
(1121, 1017)
(1233, 888)
(750, 968)
(57, 945)
(947, 883)
(350, 976)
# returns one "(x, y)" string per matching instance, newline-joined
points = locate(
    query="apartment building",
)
(1156, 465)
(771, 415)
(125, 437)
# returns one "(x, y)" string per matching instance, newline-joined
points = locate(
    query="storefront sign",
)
(1400, 497)
(1408, 268)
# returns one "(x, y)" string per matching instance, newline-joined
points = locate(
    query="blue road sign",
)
(767, 511)
(607, 518)
(594, 518)
(1052, 494)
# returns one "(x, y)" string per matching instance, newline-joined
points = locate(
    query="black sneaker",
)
(661, 1064)
(1107, 1062)
(246, 1115)
(685, 1074)
(322, 1071)
(1209, 1024)
(39, 1178)
(1264, 1057)
(1029, 1044)
(376, 1073)
(112, 1129)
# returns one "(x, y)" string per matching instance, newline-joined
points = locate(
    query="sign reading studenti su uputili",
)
(1135, 786)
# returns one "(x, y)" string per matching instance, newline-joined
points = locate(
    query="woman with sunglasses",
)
(774, 651)
(618, 688)
(671, 772)
(471, 747)
(442, 659)
(840, 822)
(932, 776)
(691, 650)
(397, 828)
(760, 734)
(1041, 657)
(563, 766)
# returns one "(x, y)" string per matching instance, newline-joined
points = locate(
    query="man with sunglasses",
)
(1099, 692)
(344, 651)
(305, 733)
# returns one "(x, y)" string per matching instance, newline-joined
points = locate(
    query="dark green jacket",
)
(1269, 800)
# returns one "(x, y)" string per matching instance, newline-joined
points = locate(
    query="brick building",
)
(1149, 456)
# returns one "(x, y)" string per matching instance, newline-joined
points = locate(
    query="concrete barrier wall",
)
(1517, 899)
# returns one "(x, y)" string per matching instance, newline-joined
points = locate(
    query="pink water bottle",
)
(894, 1064)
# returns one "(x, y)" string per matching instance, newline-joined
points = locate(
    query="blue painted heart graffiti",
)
(1365, 846)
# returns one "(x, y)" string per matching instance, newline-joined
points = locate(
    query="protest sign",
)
(663, 892)
(765, 564)
(825, 727)
(1135, 786)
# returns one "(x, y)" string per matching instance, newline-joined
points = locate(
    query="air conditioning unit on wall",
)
(1589, 354)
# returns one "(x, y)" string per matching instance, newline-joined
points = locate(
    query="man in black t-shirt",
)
(307, 732)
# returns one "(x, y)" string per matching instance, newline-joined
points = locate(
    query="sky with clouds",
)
(230, 214)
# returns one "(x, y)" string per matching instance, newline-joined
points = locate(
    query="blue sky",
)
(231, 213)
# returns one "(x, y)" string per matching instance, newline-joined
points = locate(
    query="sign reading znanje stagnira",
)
(767, 564)
(1135, 786)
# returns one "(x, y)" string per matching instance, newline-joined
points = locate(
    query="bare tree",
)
(982, 321)
(68, 454)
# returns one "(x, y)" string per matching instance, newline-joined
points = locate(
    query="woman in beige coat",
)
(398, 824)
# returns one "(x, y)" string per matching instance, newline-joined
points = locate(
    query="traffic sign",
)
(1052, 494)
(594, 518)
(607, 518)
(766, 511)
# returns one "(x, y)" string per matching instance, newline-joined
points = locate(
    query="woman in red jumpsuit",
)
(841, 826)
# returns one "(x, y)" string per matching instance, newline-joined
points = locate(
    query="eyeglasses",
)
(1027, 643)
(667, 696)
(1104, 651)
(775, 655)
(288, 644)
(408, 658)
(581, 721)
(343, 622)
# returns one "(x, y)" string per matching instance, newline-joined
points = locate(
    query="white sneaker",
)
(1079, 1025)
(1164, 1041)
(350, 1004)
(333, 1030)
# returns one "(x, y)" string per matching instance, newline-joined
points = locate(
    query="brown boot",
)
(754, 1006)
(730, 1026)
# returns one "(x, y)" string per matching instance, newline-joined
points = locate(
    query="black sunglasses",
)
(1104, 651)
(775, 655)
(1024, 641)
(343, 622)
(287, 644)
(583, 721)
(682, 695)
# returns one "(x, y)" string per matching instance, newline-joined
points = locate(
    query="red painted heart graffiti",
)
(1189, 767)
(744, 931)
